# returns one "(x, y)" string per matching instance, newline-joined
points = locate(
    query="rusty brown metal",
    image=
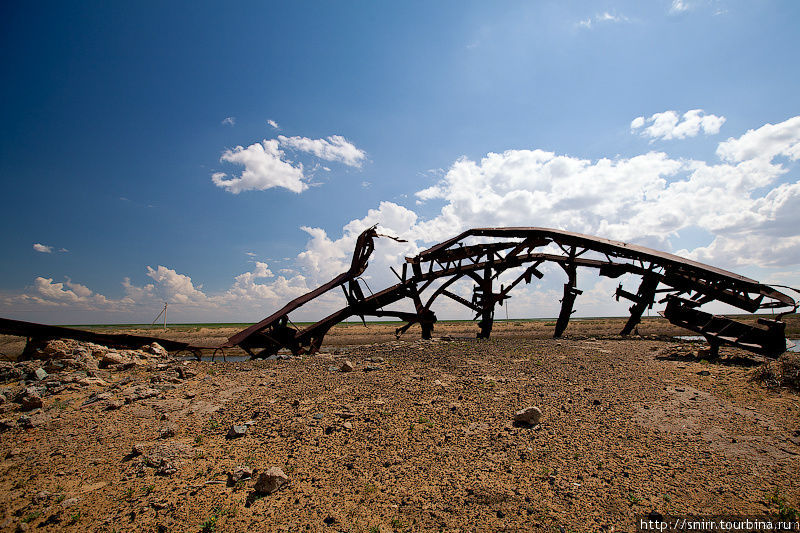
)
(40, 332)
(462, 257)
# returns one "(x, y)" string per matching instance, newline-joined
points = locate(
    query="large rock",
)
(270, 481)
(56, 349)
(530, 416)
(156, 349)
(111, 358)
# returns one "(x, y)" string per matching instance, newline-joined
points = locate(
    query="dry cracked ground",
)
(419, 436)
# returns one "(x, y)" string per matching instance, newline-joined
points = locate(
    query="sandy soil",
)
(419, 437)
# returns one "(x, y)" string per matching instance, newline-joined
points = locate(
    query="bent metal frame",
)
(482, 254)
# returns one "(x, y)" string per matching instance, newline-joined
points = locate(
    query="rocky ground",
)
(418, 436)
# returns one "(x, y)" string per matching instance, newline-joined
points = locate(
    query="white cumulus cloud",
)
(669, 125)
(334, 148)
(264, 169)
(766, 142)
(266, 166)
(273, 124)
(228, 121)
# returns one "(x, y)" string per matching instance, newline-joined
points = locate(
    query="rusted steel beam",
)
(568, 301)
(643, 299)
(36, 331)
(483, 299)
(363, 249)
(768, 340)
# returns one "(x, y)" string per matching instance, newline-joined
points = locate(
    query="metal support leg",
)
(570, 293)
(644, 299)
(487, 305)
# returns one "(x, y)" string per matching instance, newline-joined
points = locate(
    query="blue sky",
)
(124, 186)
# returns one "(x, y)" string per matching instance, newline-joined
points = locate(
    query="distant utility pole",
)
(162, 312)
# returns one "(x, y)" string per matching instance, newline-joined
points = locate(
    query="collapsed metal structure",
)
(684, 285)
(482, 255)
(42, 332)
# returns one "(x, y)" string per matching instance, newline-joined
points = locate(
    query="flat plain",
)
(419, 436)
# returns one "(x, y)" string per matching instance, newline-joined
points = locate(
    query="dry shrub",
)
(783, 372)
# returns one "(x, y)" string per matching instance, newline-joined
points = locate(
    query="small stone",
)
(91, 381)
(113, 405)
(24, 422)
(69, 502)
(166, 432)
(240, 473)
(371, 368)
(704, 373)
(137, 450)
(40, 374)
(347, 366)
(347, 425)
(376, 359)
(166, 468)
(41, 496)
(236, 431)
(530, 416)
(270, 481)
(318, 416)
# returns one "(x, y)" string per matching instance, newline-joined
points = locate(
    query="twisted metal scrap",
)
(684, 284)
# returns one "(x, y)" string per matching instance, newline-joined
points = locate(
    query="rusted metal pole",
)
(486, 302)
(645, 297)
(570, 293)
